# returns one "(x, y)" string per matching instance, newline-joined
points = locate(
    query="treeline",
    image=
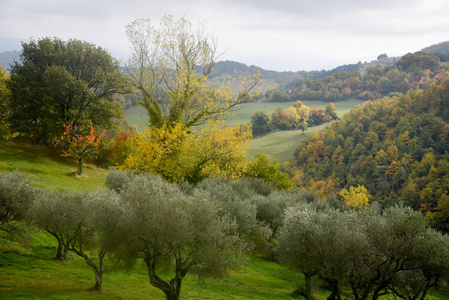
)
(396, 147)
(296, 117)
(208, 229)
(412, 71)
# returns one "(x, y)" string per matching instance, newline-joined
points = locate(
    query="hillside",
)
(396, 147)
(7, 58)
(442, 48)
(411, 71)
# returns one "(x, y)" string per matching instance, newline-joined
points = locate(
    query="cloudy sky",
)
(282, 35)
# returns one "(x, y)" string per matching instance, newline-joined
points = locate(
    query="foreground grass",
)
(32, 274)
(51, 169)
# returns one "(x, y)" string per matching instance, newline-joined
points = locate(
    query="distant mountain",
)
(228, 68)
(442, 48)
(7, 58)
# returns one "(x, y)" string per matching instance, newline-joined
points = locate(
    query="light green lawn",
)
(280, 145)
(51, 169)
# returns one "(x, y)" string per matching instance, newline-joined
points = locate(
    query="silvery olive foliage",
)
(165, 227)
(368, 252)
(17, 194)
(82, 222)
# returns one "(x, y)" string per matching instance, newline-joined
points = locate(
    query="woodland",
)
(360, 212)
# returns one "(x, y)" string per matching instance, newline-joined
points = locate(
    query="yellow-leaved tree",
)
(176, 154)
(356, 197)
(4, 95)
(173, 66)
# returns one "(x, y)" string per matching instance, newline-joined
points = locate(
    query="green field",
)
(242, 113)
(279, 145)
(51, 169)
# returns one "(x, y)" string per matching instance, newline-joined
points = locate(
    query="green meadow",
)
(278, 145)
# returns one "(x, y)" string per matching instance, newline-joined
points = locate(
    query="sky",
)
(281, 35)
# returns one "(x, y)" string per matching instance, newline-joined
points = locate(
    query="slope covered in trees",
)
(396, 147)
(413, 70)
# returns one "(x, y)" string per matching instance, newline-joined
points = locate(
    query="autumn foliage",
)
(176, 153)
(77, 141)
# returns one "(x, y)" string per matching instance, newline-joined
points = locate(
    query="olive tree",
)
(368, 252)
(84, 223)
(165, 227)
(17, 195)
(313, 242)
(233, 199)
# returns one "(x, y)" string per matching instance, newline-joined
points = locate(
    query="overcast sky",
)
(282, 35)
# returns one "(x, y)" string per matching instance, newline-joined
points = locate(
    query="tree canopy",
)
(172, 64)
(58, 82)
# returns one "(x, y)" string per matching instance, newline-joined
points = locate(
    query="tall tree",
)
(172, 64)
(58, 82)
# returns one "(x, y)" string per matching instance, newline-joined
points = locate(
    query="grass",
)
(51, 169)
(244, 112)
(279, 145)
(32, 274)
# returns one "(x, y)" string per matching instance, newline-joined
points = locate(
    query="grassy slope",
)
(280, 145)
(51, 169)
(34, 275)
(29, 273)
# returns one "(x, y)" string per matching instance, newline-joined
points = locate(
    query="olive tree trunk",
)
(172, 289)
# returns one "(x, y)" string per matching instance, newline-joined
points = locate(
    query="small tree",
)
(270, 171)
(77, 141)
(331, 111)
(356, 197)
(260, 122)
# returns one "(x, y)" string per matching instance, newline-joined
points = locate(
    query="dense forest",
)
(396, 147)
